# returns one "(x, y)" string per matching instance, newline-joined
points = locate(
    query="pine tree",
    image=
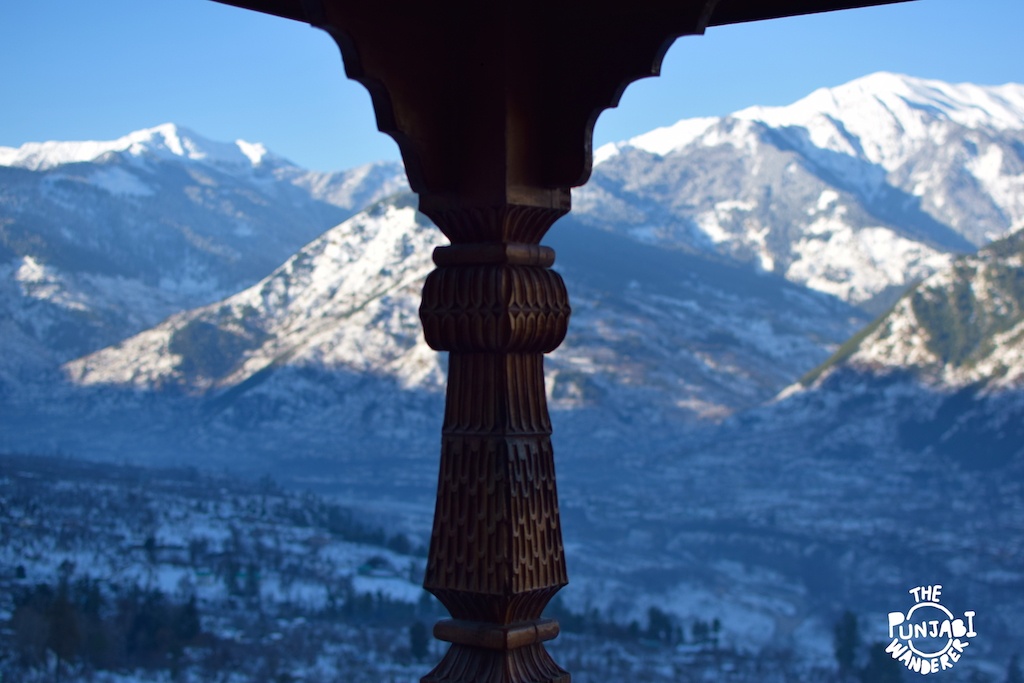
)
(64, 637)
(1013, 674)
(186, 622)
(659, 625)
(700, 631)
(419, 640)
(252, 581)
(846, 641)
(150, 547)
(881, 668)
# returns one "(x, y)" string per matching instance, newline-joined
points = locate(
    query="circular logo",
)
(928, 638)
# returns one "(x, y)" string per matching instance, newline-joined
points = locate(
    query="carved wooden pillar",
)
(496, 550)
(492, 104)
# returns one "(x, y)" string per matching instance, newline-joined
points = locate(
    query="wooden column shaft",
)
(496, 555)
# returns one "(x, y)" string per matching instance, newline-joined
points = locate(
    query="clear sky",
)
(78, 70)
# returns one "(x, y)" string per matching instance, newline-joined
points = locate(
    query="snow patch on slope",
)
(856, 265)
(118, 181)
(44, 283)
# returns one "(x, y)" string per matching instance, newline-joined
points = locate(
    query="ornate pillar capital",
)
(523, 217)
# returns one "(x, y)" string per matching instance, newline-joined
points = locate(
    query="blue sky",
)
(74, 70)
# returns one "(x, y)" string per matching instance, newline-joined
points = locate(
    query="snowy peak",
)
(105, 239)
(661, 141)
(884, 117)
(867, 117)
(166, 141)
(857, 191)
(903, 100)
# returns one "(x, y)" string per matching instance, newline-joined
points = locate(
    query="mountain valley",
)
(792, 383)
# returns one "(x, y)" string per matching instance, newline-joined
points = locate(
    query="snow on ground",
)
(116, 180)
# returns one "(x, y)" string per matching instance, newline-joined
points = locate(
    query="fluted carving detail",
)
(496, 556)
(496, 394)
(495, 308)
(496, 550)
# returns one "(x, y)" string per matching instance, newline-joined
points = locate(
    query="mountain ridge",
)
(956, 102)
(345, 308)
(859, 202)
(162, 141)
(739, 192)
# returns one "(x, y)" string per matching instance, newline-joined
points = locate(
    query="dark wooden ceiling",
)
(725, 12)
(738, 11)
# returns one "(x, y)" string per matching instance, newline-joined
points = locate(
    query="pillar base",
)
(495, 637)
(467, 664)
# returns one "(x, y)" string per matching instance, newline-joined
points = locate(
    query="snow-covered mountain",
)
(964, 326)
(840, 193)
(328, 347)
(897, 462)
(99, 240)
(709, 266)
(858, 190)
(942, 371)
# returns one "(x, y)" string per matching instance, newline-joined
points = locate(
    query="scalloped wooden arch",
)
(496, 101)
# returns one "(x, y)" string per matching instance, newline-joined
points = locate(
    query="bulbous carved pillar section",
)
(496, 551)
